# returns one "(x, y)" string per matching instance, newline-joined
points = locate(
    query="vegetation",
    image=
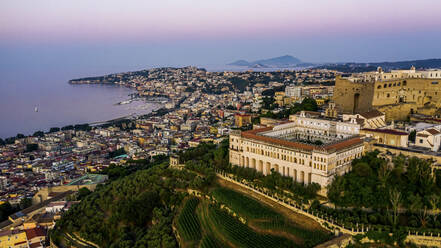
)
(396, 194)
(54, 129)
(187, 223)
(240, 234)
(209, 241)
(266, 218)
(137, 207)
(134, 211)
(308, 104)
(117, 153)
(243, 205)
(412, 136)
(375, 182)
(310, 238)
(239, 83)
(38, 134)
(7, 209)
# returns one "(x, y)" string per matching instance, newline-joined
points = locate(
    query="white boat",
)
(36, 109)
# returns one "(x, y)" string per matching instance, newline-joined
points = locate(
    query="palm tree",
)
(395, 200)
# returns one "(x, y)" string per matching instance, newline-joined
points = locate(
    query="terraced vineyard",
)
(187, 223)
(202, 223)
(209, 241)
(244, 205)
(240, 234)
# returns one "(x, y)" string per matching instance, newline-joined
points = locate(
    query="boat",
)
(36, 109)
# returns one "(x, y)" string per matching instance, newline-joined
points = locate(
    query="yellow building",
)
(397, 93)
(13, 239)
(320, 101)
(387, 136)
(242, 120)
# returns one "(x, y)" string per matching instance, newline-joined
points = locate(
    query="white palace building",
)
(308, 148)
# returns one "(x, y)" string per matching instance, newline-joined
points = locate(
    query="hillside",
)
(365, 67)
(155, 207)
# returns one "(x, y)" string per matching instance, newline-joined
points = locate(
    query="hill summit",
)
(282, 61)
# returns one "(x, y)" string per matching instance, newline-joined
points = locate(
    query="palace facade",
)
(308, 148)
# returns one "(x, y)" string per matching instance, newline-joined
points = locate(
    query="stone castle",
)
(397, 93)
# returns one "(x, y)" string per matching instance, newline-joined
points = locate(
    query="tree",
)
(395, 199)
(83, 192)
(435, 201)
(25, 203)
(412, 136)
(20, 136)
(383, 174)
(2, 142)
(38, 134)
(54, 129)
(31, 147)
(309, 104)
(69, 127)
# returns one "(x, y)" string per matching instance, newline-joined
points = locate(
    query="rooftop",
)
(387, 131)
(333, 146)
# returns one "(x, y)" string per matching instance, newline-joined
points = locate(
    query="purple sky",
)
(181, 32)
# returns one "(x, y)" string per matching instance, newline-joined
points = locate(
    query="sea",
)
(34, 100)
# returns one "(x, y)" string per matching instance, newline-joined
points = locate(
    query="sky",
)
(145, 33)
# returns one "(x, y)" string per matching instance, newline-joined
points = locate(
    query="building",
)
(429, 138)
(293, 91)
(241, 120)
(13, 239)
(331, 111)
(308, 149)
(36, 237)
(387, 136)
(372, 119)
(397, 93)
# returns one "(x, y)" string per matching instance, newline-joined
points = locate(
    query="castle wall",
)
(397, 98)
(352, 97)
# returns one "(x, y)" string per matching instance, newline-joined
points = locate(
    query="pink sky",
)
(27, 20)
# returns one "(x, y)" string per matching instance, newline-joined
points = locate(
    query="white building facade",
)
(290, 149)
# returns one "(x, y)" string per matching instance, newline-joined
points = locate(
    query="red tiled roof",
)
(371, 114)
(253, 134)
(433, 131)
(35, 245)
(35, 232)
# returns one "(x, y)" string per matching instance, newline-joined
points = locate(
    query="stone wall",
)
(43, 194)
(352, 97)
(397, 111)
(397, 98)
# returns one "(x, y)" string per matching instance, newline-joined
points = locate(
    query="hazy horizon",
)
(139, 34)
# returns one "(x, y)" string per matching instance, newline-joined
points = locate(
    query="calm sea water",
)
(59, 103)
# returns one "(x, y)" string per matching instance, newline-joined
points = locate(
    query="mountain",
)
(241, 63)
(282, 61)
(386, 66)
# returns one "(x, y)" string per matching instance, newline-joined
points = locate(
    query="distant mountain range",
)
(277, 62)
(386, 66)
(288, 61)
